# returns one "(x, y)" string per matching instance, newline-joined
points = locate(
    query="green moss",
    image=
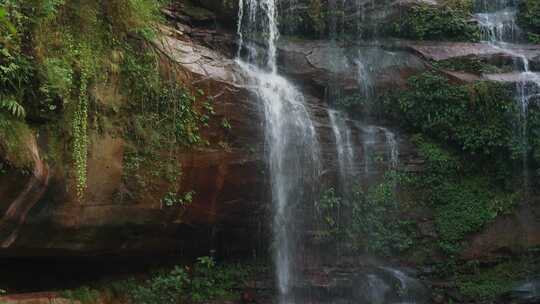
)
(447, 21)
(15, 139)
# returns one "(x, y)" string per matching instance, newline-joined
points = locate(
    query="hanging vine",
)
(80, 135)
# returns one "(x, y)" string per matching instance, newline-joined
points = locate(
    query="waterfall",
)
(497, 20)
(344, 149)
(392, 148)
(410, 289)
(368, 146)
(364, 77)
(498, 26)
(292, 148)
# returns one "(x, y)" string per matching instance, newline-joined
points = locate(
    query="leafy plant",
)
(478, 118)
(203, 282)
(173, 199)
(447, 21)
(529, 15)
(463, 201)
(489, 282)
(13, 107)
(367, 220)
(84, 294)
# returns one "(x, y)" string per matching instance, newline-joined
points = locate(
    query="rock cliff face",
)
(42, 217)
(230, 205)
(229, 208)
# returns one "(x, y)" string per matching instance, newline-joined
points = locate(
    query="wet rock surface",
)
(362, 285)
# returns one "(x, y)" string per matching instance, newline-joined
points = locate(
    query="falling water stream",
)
(291, 141)
(344, 149)
(292, 147)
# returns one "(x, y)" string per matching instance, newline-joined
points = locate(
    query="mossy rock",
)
(16, 140)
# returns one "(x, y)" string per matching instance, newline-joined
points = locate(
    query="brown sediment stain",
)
(32, 193)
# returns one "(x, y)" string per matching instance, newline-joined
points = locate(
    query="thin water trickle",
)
(291, 143)
(393, 149)
(344, 149)
(368, 145)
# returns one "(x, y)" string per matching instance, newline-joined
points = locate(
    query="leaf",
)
(12, 107)
(4, 22)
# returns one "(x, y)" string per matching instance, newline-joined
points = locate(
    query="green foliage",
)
(15, 70)
(477, 118)
(488, 283)
(533, 38)
(328, 207)
(166, 118)
(529, 15)
(74, 42)
(173, 199)
(55, 52)
(5, 25)
(84, 294)
(447, 21)
(463, 201)
(13, 141)
(80, 134)
(529, 19)
(372, 221)
(12, 107)
(203, 282)
(378, 217)
(226, 124)
(162, 103)
(471, 65)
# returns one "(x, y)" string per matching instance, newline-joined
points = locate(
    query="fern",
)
(12, 107)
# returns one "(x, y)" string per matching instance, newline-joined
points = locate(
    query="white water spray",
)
(291, 142)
